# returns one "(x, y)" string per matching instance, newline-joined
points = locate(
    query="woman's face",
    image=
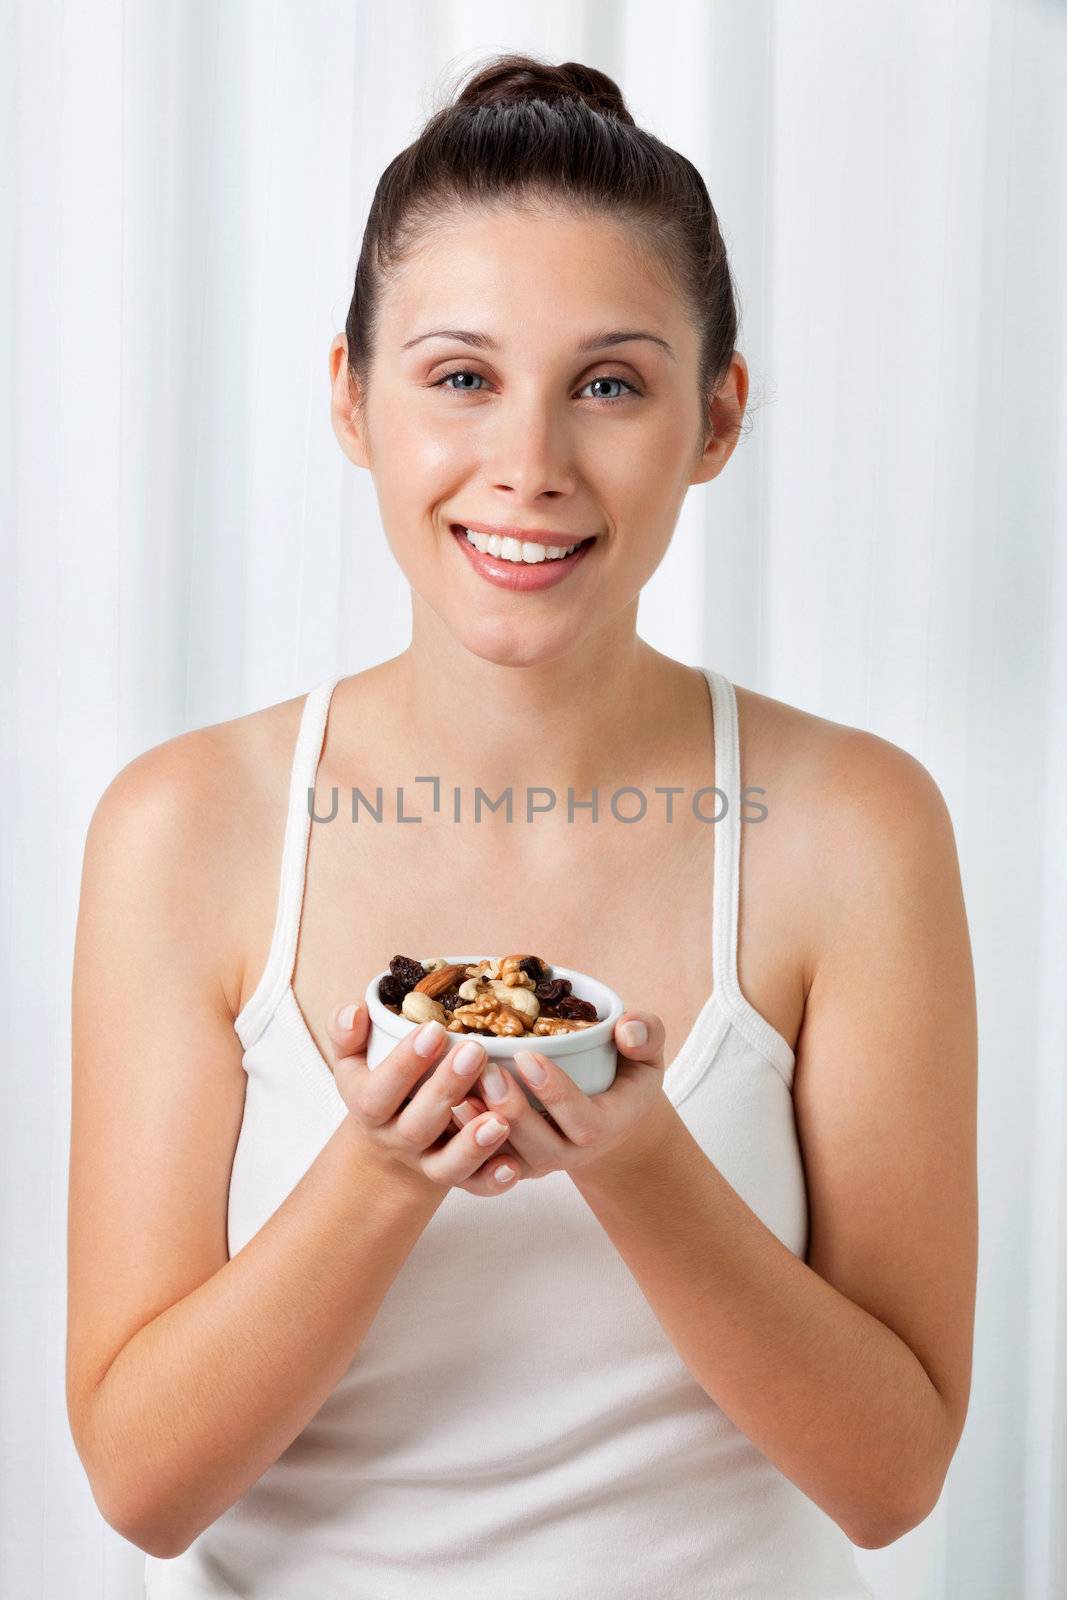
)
(499, 394)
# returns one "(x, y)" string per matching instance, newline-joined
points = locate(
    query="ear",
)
(726, 410)
(344, 413)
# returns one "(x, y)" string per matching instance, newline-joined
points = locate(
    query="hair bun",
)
(511, 79)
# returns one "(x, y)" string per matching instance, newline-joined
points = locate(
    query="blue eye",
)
(459, 374)
(608, 400)
(607, 378)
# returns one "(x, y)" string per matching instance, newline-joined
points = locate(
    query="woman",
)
(718, 1322)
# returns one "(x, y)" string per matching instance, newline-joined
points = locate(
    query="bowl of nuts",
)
(510, 1003)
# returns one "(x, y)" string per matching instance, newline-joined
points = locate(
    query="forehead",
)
(509, 270)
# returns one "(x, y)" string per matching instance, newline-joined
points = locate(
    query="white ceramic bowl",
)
(588, 1055)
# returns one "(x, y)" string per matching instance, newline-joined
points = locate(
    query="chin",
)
(504, 646)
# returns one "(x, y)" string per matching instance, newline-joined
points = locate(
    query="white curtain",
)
(185, 184)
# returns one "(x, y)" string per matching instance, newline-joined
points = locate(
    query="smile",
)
(519, 565)
(491, 544)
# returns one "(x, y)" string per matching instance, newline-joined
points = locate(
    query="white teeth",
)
(491, 544)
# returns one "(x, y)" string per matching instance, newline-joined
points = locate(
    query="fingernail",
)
(347, 1016)
(495, 1087)
(428, 1037)
(502, 1174)
(467, 1057)
(633, 1033)
(531, 1068)
(490, 1131)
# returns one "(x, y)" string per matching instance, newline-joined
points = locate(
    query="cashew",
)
(518, 998)
(420, 1008)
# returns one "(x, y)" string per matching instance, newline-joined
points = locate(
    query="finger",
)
(428, 1113)
(460, 1158)
(577, 1116)
(500, 1173)
(472, 1107)
(468, 1109)
(380, 1091)
(348, 1028)
(639, 1036)
(532, 1132)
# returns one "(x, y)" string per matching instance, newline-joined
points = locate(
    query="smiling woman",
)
(716, 1322)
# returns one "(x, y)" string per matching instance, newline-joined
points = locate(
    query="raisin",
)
(390, 991)
(550, 991)
(407, 971)
(576, 1010)
(533, 967)
(450, 1000)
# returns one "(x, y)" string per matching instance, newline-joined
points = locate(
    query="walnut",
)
(480, 1006)
(507, 1022)
(511, 972)
(489, 1012)
(483, 969)
(554, 1025)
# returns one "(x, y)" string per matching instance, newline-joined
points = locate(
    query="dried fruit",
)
(506, 996)
(407, 971)
(550, 991)
(391, 991)
(576, 1010)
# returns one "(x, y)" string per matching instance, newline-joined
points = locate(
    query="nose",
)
(530, 454)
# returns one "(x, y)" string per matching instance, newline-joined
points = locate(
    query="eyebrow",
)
(597, 341)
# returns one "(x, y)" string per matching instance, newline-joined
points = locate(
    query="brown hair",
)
(522, 131)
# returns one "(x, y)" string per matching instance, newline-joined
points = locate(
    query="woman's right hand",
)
(420, 1133)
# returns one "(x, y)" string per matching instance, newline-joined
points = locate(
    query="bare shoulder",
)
(194, 814)
(848, 812)
(805, 749)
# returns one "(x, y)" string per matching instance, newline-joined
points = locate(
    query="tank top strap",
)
(727, 855)
(726, 894)
(278, 972)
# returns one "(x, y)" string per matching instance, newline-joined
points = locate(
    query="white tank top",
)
(516, 1420)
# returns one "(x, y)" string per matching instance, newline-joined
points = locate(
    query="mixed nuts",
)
(509, 997)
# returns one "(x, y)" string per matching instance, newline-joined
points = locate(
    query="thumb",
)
(639, 1036)
(348, 1028)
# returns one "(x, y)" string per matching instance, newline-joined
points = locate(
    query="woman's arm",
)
(850, 1371)
(205, 1397)
(188, 1373)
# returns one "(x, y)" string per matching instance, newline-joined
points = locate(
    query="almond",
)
(440, 980)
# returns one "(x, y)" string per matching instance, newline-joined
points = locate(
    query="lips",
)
(521, 576)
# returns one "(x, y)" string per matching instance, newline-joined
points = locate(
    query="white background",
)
(184, 189)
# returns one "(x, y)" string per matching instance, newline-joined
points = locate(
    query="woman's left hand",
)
(627, 1119)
